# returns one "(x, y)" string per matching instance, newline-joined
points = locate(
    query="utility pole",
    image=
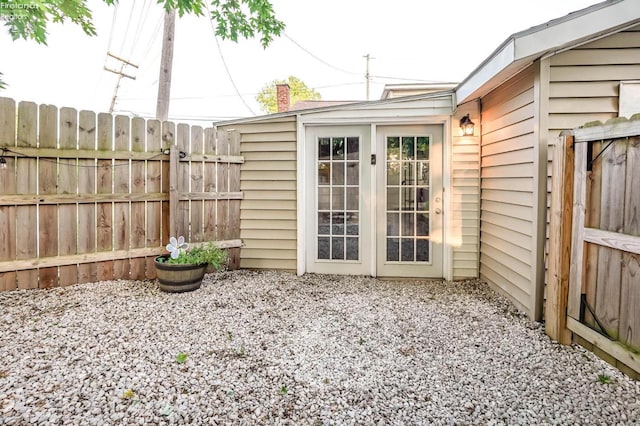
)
(120, 73)
(367, 76)
(166, 63)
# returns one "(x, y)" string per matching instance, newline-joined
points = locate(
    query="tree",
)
(232, 19)
(298, 90)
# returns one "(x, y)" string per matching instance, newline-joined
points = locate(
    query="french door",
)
(377, 214)
(409, 204)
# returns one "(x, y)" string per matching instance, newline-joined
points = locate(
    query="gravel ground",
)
(274, 348)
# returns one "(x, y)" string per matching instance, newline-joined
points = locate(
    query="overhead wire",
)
(224, 62)
(126, 32)
(316, 57)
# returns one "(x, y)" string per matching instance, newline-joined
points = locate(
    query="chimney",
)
(282, 96)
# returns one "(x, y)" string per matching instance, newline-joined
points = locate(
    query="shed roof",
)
(523, 48)
(346, 106)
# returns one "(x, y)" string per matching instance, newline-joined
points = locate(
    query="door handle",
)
(438, 211)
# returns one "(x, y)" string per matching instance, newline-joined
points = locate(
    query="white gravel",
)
(273, 348)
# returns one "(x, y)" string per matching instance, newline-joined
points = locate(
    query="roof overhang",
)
(523, 48)
(348, 106)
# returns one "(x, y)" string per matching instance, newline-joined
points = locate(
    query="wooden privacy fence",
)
(594, 276)
(87, 197)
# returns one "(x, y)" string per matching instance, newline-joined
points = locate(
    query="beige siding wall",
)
(268, 182)
(508, 189)
(465, 194)
(585, 81)
(584, 85)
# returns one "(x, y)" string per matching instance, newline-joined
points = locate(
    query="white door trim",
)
(445, 120)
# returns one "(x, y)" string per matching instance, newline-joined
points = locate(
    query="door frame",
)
(304, 120)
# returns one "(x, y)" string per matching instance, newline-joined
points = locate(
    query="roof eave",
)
(349, 106)
(523, 48)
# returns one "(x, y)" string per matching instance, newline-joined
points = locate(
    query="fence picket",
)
(154, 185)
(592, 219)
(121, 210)
(87, 171)
(88, 196)
(68, 184)
(611, 219)
(630, 283)
(210, 185)
(8, 187)
(104, 183)
(26, 183)
(182, 218)
(197, 185)
(138, 229)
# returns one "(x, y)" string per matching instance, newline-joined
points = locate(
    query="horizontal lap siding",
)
(585, 81)
(507, 189)
(465, 198)
(584, 85)
(268, 183)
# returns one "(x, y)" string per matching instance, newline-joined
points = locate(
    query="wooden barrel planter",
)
(178, 278)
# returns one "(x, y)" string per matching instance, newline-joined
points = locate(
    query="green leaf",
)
(181, 358)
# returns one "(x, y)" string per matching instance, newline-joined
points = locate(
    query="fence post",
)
(560, 227)
(173, 190)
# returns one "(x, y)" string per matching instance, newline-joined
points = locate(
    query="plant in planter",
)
(183, 269)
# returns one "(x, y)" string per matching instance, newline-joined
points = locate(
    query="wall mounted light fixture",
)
(3, 161)
(467, 125)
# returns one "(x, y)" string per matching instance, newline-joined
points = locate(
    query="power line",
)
(318, 58)
(224, 62)
(408, 79)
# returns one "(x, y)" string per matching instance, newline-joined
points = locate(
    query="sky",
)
(324, 44)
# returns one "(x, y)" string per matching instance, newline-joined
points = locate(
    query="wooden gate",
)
(595, 241)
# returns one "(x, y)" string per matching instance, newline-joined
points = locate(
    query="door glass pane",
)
(353, 200)
(338, 202)
(337, 248)
(324, 200)
(324, 173)
(324, 149)
(323, 248)
(408, 173)
(422, 148)
(353, 173)
(353, 225)
(324, 223)
(422, 250)
(353, 148)
(408, 148)
(352, 248)
(407, 224)
(337, 173)
(406, 250)
(407, 198)
(337, 198)
(393, 224)
(393, 173)
(422, 225)
(393, 249)
(393, 199)
(423, 173)
(337, 224)
(338, 148)
(422, 199)
(393, 148)
(407, 203)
